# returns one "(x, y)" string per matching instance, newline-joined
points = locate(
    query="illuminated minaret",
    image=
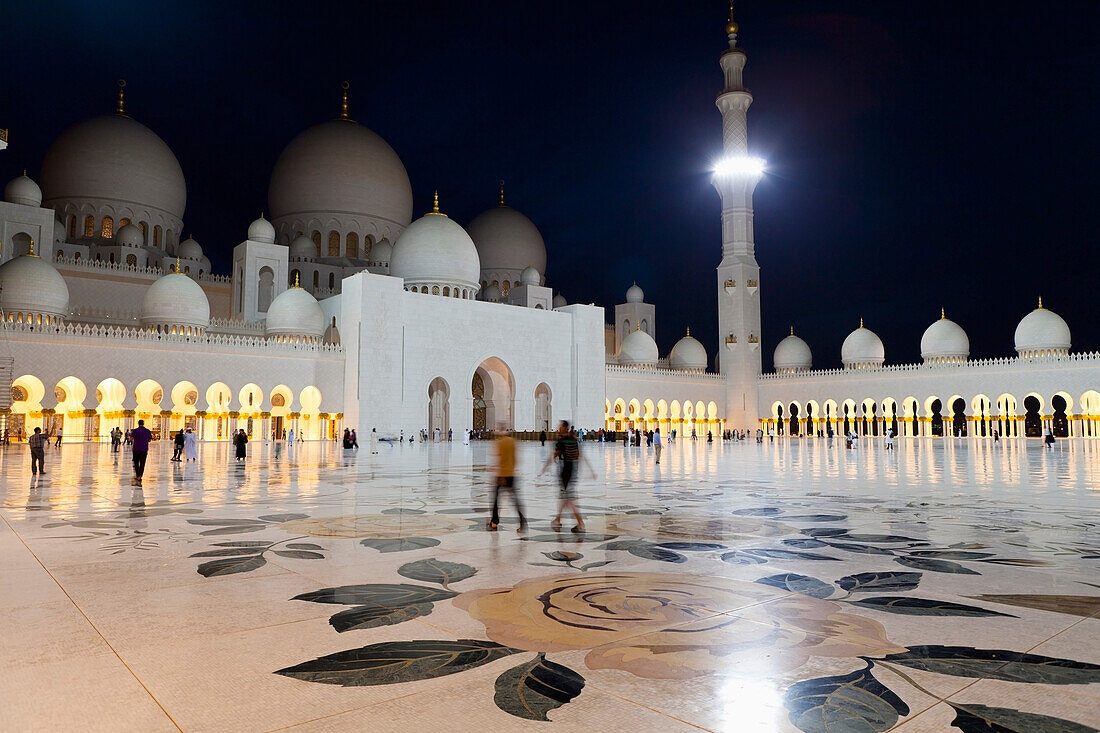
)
(735, 177)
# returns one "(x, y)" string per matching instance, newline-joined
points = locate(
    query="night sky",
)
(920, 154)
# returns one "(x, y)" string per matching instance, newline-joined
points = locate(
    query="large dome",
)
(792, 354)
(688, 354)
(944, 342)
(436, 252)
(863, 348)
(1042, 333)
(507, 242)
(116, 161)
(638, 349)
(175, 303)
(296, 314)
(31, 285)
(340, 170)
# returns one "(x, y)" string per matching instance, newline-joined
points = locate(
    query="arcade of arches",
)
(491, 400)
(214, 411)
(684, 416)
(935, 416)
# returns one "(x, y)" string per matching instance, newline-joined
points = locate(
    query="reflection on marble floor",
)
(948, 585)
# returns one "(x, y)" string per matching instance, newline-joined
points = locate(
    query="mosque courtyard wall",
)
(418, 361)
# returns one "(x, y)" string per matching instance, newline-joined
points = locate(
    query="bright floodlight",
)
(739, 165)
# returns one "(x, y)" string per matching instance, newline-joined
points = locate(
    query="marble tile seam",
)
(97, 631)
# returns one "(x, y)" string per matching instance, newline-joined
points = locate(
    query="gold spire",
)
(792, 330)
(688, 331)
(731, 24)
(177, 264)
(1040, 302)
(639, 328)
(435, 205)
(943, 315)
(861, 321)
(30, 248)
(296, 280)
(502, 192)
(344, 101)
(120, 105)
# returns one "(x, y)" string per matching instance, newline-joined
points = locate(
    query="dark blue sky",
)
(920, 154)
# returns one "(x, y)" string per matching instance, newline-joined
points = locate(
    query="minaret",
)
(735, 177)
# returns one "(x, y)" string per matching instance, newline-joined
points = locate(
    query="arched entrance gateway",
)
(543, 416)
(439, 406)
(492, 396)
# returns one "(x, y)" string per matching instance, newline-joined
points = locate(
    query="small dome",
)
(175, 301)
(530, 276)
(944, 342)
(261, 230)
(190, 249)
(560, 301)
(491, 294)
(204, 264)
(130, 236)
(24, 191)
(59, 235)
(30, 284)
(688, 354)
(1042, 333)
(381, 252)
(507, 241)
(634, 294)
(434, 250)
(302, 248)
(863, 348)
(638, 349)
(792, 354)
(295, 313)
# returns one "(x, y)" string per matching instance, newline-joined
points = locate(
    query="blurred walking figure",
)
(347, 438)
(37, 443)
(568, 450)
(139, 438)
(191, 445)
(355, 441)
(505, 480)
(116, 439)
(657, 443)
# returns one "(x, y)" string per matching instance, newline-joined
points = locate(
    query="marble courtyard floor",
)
(795, 586)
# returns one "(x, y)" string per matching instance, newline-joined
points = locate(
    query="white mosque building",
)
(343, 310)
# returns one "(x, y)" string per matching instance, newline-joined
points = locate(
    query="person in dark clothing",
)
(178, 443)
(37, 443)
(139, 438)
(240, 440)
(568, 450)
(542, 437)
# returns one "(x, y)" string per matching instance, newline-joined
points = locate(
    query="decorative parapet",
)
(152, 272)
(616, 369)
(1092, 357)
(124, 335)
(236, 326)
(94, 314)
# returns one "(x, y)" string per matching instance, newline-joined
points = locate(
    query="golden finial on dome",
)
(30, 248)
(1040, 302)
(296, 280)
(177, 263)
(861, 321)
(792, 330)
(120, 104)
(344, 101)
(731, 24)
(502, 192)
(943, 315)
(688, 331)
(435, 202)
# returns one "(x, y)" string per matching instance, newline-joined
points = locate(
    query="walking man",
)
(657, 443)
(178, 442)
(568, 450)
(57, 444)
(139, 438)
(191, 445)
(505, 450)
(37, 443)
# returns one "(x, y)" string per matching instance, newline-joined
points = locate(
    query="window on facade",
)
(107, 230)
(351, 248)
(89, 226)
(368, 246)
(156, 235)
(131, 260)
(169, 239)
(123, 222)
(446, 290)
(72, 227)
(334, 244)
(316, 237)
(267, 289)
(316, 280)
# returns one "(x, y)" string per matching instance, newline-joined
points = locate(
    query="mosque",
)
(342, 310)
